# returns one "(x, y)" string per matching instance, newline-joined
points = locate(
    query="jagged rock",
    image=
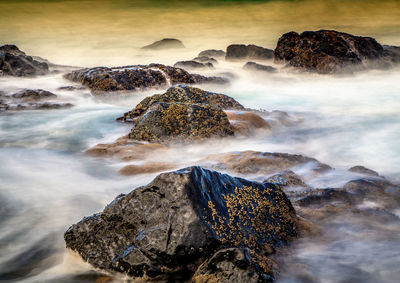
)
(363, 170)
(252, 66)
(183, 94)
(14, 62)
(242, 52)
(329, 51)
(262, 163)
(193, 65)
(212, 53)
(178, 122)
(136, 77)
(205, 59)
(166, 43)
(165, 230)
(33, 95)
(229, 265)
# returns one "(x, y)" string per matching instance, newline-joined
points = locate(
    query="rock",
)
(212, 53)
(262, 163)
(391, 53)
(243, 52)
(71, 88)
(287, 179)
(329, 51)
(166, 43)
(252, 66)
(165, 230)
(33, 95)
(177, 122)
(229, 265)
(205, 59)
(126, 149)
(146, 168)
(246, 122)
(14, 62)
(363, 170)
(320, 197)
(182, 94)
(137, 77)
(38, 106)
(193, 65)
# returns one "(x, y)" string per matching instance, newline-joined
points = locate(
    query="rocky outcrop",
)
(165, 230)
(243, 52)
(329, 51)
(137, 77)
(166, 43)
(178, 122)
(30, 99)
(212, 53)
(14, 62)
(192, 64)
(186, 95)
(252, 66)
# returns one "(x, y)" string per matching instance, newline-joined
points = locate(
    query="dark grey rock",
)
(252, 66)
(363, 170)
(212, 53)
(205, 59)
(192, 64)
(243, 52)
(166, 43)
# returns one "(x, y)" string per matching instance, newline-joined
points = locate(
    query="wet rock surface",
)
(30, 99)
(252, 66)
(166, 229)
(136, 77)
(182, 94)
(329, 51)
(242, 52)
(193, 64)
(166, 43)
(14, 62)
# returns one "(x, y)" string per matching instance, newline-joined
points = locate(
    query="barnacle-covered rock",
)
(165, 230)
(14, 62)
(183, 94)
(329, 51)
(136, 77)
(242, 52)
(178, 122)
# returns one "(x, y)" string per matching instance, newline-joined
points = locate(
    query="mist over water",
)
(48, 183)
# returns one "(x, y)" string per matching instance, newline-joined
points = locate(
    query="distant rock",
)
(14, 62)
(363, 170)
(192, 64)
(212, 53)
(30, 99)
(178, 122)
(329, 51)
(166, 43)
(243, 52)
(165, 230)
(252, 66)
(136, 77)
(205, 59)
(183, 94)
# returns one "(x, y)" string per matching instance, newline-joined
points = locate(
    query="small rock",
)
(252, 66)
(33, 95)
(242, 52)
(193, 65)
(166, 43)
(146, 168)
(363, 170)
(205, 59)
(212, 53)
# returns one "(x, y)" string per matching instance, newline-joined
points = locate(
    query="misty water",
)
(48, 183)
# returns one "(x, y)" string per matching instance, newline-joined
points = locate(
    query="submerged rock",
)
(246, 122)
(212, 53)
(178, 122)
(252, 66)
(329, 51)
(33, 94)
(101, 79)
(14, 62)
(192, 64)
(166, 43)
(182, 94)
(205, 59)
(363, 170)
(165, 230)
(242, 52)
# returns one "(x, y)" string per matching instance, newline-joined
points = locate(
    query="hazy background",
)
(105, 32)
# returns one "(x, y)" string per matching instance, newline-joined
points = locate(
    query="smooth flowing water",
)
(47, 183)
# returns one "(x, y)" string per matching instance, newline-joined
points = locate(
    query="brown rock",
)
(146, 168)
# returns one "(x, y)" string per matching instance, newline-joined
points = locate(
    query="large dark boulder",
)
(101, 79)
(14, 62)
(183, 94)
(165, 230)
(166, 43)
(179, 122)
(329, 51)
(243, 52)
